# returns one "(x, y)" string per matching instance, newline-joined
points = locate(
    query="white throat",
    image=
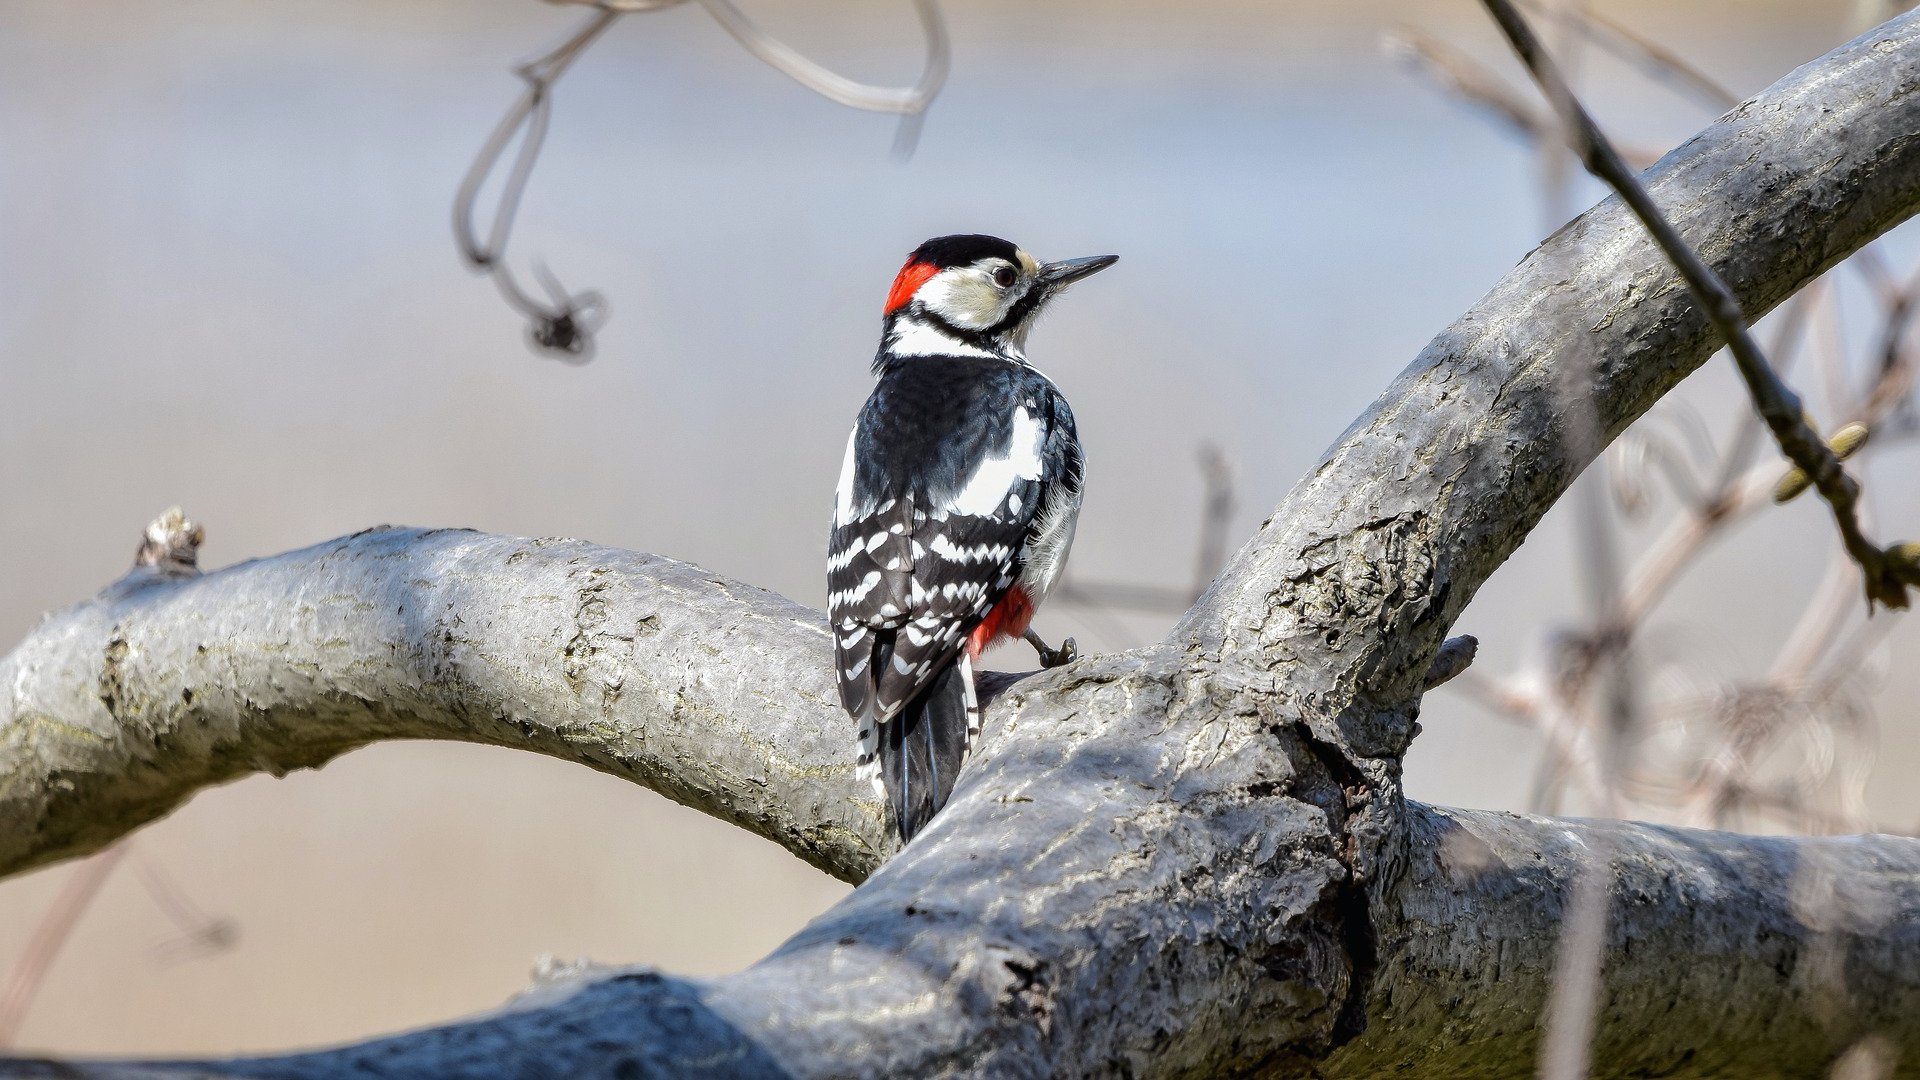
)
(910, 336)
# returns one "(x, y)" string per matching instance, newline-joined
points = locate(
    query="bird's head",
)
(972, 294)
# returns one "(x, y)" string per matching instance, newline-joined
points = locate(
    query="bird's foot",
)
(1067, 653)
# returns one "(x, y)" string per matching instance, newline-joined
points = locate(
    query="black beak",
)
(1061, 274)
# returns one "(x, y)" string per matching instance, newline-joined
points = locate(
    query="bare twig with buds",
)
(1731, 757)
(1887, 572)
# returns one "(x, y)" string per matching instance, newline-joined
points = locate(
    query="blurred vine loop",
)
(563, 324)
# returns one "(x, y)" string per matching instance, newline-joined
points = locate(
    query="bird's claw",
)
(1067, 653)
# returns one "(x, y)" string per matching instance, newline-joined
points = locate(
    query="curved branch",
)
(713, 693)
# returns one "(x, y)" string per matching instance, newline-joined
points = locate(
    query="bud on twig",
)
(1905, 560)
(1843, 444)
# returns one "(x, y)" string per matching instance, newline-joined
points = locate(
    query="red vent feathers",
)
(912, 276)
(1007, 619)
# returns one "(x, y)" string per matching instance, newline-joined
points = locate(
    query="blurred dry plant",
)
(1098, 604)
(1789, 747)
(563, 323)
(197, 933)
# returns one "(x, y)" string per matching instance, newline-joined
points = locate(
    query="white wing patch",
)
(843, 495)
(994, 477)
(948, 550)
(855, 594)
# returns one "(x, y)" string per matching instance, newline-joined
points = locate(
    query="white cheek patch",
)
(996, 474)
(966, 297)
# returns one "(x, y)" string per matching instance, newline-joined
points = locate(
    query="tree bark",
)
(1189, 860)
(717, 694)
(1725, 955)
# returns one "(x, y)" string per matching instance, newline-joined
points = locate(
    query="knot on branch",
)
(171, 545)
(1455, 656)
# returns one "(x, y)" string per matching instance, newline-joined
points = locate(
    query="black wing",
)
(946, 471)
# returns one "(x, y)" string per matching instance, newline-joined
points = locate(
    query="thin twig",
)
(1216, 518)
(29, 973)
(1845, 660)
(911, 102)
(1893, 383)
(1126, 596)
(1789, 335)
(564, 324)
(1217, 505)
(1464, 79)
(1777, 404)
(1099, 620)
(1637, 454)
(1646, 54)
(563, 327)
(199, 932)
(1573, 999)
(1470, 82)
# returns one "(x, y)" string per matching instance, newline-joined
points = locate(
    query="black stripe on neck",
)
(990, 340)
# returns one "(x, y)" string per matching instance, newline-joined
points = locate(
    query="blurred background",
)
(230, 283)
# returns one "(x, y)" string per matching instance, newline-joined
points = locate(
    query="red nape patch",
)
(912, 276)
(1006, 619)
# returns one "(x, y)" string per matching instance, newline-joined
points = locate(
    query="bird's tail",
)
(922, 748)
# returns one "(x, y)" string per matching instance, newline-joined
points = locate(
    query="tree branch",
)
(716, 694)
(1734, 956)
(1190, 860)
(1777, 405)
(1725, 955)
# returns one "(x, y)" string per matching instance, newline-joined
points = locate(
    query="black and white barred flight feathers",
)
(955, 509)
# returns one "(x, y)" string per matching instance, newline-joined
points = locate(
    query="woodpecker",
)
(954, 513)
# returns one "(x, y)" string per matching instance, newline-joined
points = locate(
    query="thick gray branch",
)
(1729, 956)
(1195, 860)
(1726, 955)
(716, 694)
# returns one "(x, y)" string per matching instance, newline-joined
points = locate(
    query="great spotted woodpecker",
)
(954, 513)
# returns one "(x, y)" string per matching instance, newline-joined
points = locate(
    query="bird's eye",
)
(1003, 277)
